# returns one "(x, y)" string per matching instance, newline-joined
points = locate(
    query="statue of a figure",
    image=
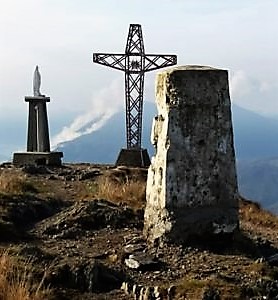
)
(37, 82)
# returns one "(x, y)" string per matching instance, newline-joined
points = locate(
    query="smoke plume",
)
(103, 106)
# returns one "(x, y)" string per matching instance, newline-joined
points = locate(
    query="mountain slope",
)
(255, 135)
(255, 139)
(103, 145)
(258, 180)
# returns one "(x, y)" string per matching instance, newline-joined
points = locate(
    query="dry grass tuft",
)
(16, 281)
(130, 192)
(190, 288)
(252, 212)
(261, 270)
(14, 183)
(255, 219)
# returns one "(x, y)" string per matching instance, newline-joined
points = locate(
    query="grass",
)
(131, 192)
(262, 270)
(16, 282)
(253, 213)
(13, 183)
(190, 288)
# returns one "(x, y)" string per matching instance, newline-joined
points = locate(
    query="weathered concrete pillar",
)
(192, 184)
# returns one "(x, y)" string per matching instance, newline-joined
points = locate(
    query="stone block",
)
(133, 158)
(192, 185)
(38, 158)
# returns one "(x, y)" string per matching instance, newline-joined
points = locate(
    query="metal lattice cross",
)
(134, 63)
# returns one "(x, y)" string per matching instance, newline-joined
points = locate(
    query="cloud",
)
(104, 105)
(255, 94)
(241, 84)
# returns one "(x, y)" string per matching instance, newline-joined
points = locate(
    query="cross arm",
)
(116, 61)
(153, 61)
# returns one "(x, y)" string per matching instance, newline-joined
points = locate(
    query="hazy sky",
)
(61, 35)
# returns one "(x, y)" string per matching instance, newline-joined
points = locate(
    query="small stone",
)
(132, 263)
(147, 294)
(124, 287)
(273, 260)
(131, 248)
(141, 261)
(113, 258)
(171, 292)
(260, 260)
(156, 293)
(142, 292)
(129, 288)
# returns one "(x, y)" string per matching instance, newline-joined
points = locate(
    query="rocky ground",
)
(87, 246)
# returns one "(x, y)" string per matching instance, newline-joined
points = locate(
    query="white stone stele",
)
(37, 82)
(192, 184)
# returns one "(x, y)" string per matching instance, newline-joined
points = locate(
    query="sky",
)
(60, 37)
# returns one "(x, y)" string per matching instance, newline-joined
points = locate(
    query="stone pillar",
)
(38, 132)
(192, 185)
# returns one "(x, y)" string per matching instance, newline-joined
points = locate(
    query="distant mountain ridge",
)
(255, 137)
(258, 180)
(255, 140)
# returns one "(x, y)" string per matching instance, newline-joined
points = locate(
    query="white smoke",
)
(103, 106)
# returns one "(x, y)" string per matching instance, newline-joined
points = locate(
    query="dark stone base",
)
(38, 158)
(133, 158)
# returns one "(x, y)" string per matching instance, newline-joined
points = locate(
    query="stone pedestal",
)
(133, 158)
(38, 158)
(38, 144)
(192, 185)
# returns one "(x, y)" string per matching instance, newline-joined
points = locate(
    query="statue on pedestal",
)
(38, 143)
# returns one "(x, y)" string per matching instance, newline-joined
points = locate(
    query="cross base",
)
(133, 158)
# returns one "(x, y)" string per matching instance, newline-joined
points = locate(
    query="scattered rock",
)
(131, 248)
(90, 215)
(21, 211)
(79, 174)
(260, 260)
(7, 165)
(8, 231)
(34, 253)
(122, 173)
(273, 260)
(141, 261)
(89, 174)
(33, 169)
(88, 276)
(211, 294)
